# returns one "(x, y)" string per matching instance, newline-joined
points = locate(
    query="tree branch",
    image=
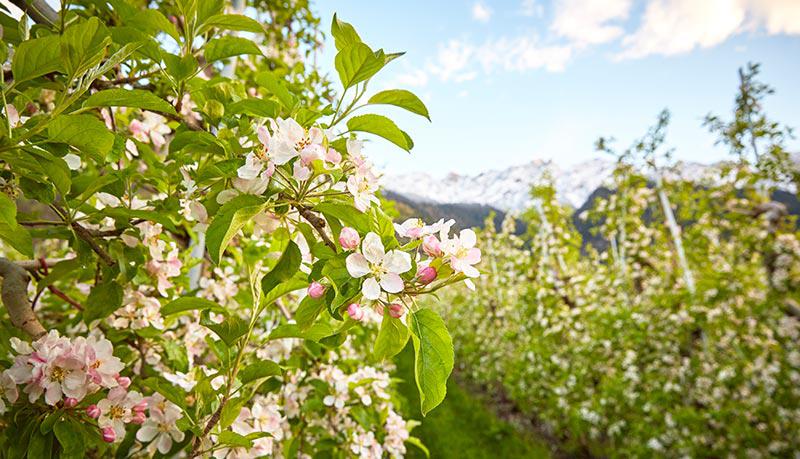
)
(15, 298)
(317, 222)
(38, 10)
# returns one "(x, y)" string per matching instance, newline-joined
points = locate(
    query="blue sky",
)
(510, 81)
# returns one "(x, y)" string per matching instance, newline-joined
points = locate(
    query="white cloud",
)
(778, 16)
(520, 54)
(416, 78)
(670, 27)
(451, 59)
(481, 12)
(531, 8)
(590, 22)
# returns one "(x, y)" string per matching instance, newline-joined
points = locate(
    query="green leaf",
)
(254, 107)
(55, 168)
(418, 443)
(151, 21)
(83, 132)
(383, 127)
(229, 46)
(83, 46)
(403, 99)
(70, 435)
(433, 360)
(283, 288)
(135, 98)
(36, 57)
(392, 337)
(231, 411)
(346, 213)
(103, 300)
(308, 311)
(343, 33)
(234, 439)
(237, 22)
(276, 87)
(230, 329)
(356, 63)
(10, 231)
(180, 68)
(314, 333)
(189, 303)
(284, 269)
(40, 445)
(230, 218)
(259, 370)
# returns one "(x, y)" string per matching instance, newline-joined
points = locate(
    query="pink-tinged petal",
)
(147, 432)
(397, 261)
(373, 248)
(392, 283)
(371, 290)
(53, 394)
(263, 135)
(177, 435)
(467, 238)
(473, 256)
(357, 265)
(470, 285)
(470, 271)
(164, 443)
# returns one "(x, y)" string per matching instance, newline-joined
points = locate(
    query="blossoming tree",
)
(209, 257)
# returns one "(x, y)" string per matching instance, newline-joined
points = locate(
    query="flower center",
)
(163, 427)
(116, 412)
(95, 365)
(58, 374)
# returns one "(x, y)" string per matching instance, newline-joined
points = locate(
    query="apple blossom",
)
(363, 188)
(160, 429)
(8, 391)
(349, 238)
(462, 253)
(316, 290)
(413, 228)
(355, 312)
(117, 409)
(396, 310)
(431, 246)
(93, 411)
(109, 435)
(426, 275)
(382, 268)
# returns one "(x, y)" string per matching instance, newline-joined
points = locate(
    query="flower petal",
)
(357, 265)
(467, 238)
(371, 290)
(372, 248)
(397, 261)
(392, 283)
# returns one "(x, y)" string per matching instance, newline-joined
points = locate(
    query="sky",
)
(507, 82)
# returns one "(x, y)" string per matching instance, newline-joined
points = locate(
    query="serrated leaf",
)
(254, 107)
(259, 370)
(229, 46)
(36, 57)
(433, 357)
(189, 303)
(383, 127)
(356, 63)
(392, 337)
(83, 132)
(343, 33)
(238, 22)
(10, 231)
(83, 45)
(403, 99)
(230, 218)
(229, 330)
(103, 300)
(135, 98)
(284, 269)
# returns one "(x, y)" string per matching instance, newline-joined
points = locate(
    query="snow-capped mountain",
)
(509, 189)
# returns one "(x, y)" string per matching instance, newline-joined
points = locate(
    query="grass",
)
(462, 427)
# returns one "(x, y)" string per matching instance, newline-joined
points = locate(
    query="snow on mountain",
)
(508, 189)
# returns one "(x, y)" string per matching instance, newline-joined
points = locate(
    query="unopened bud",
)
(109, 435)
(70, 402)
(396, 310)
(349, 238)
(355, 312)
(426, 275)
(124, 381)
(316, 290)
(93, 411)
(431, 246)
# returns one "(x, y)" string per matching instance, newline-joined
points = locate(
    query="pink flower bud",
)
(138, 418)
(70, 402)
(426, 275)
(140, 407)
(396, 310)
(333, 156)
(109, 435)
(431, 246)
(124, 381)
(355, 312)
(316, 290)
(349, 238)
(93, 411)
